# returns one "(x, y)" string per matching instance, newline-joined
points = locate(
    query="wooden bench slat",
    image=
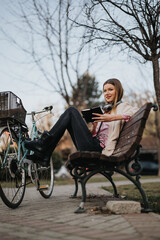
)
(128, 149)
(133, 128)
(135, 132)
(137, 140)
(84, 154)
(132, 132)
(124, 140)
(136, 118)
(146, 107)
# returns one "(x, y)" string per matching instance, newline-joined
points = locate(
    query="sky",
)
(16, 75)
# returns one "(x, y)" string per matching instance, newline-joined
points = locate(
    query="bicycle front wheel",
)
(12, 176)
(46, 179)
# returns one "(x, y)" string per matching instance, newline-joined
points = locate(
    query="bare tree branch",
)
(132, 26)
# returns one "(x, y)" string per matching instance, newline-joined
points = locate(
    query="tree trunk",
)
(156, 79)
(158, 152)
(157, 123)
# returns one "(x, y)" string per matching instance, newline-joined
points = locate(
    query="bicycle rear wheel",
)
(46, 179)
(12, 177)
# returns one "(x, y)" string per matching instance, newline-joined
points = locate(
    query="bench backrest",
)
(131, 134)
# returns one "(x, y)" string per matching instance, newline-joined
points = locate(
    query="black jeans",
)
(82, 138)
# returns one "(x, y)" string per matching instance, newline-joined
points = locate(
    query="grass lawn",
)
(98, 178)
(130, 192)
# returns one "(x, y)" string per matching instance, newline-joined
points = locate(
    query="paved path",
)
(45, 219)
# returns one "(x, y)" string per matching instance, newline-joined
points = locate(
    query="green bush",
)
(57, 161)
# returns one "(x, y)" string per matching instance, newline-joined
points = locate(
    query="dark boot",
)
(40, 144)
(40, 148)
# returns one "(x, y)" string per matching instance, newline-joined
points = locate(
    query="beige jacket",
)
(116, 126)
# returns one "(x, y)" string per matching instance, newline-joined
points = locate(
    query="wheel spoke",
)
(12, 177)
(46, 179)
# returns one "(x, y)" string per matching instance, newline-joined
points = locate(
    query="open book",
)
(87, 113)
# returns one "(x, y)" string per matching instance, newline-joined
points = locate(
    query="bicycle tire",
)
(46, 179)
(12, 177)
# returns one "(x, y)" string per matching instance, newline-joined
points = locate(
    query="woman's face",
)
(109, 92)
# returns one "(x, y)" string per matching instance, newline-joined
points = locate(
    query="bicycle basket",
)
(11, 108)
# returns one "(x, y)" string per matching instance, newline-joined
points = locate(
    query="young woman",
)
(106, 127)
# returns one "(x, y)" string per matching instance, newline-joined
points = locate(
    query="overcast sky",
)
(16, 75)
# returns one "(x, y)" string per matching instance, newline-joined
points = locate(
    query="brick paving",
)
(45, 219)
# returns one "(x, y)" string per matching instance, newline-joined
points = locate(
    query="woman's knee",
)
(73, 112)
(72, 109)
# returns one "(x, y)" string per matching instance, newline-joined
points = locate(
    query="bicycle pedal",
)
(43, 188)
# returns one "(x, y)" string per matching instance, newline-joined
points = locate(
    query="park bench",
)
(124, 160)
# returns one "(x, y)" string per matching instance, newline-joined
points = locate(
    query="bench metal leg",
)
(108, 176)
(83, 181)
(76, 184)
(138, 185)
(81, 209)
(76, 188)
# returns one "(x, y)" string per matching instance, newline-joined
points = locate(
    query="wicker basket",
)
(11, 108)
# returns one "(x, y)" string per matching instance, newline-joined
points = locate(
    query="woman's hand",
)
(101, 117)
(106, 117)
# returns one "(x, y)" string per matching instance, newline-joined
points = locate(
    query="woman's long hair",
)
(119, 89)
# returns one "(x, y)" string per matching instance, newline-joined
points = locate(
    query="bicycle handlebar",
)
(46, 109)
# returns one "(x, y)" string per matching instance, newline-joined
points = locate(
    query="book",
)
(88, 113)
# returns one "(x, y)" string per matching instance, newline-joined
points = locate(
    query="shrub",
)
(57, 161)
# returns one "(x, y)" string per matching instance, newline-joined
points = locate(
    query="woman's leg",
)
(72, 120)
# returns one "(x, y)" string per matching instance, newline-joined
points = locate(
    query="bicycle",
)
(16, 169)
